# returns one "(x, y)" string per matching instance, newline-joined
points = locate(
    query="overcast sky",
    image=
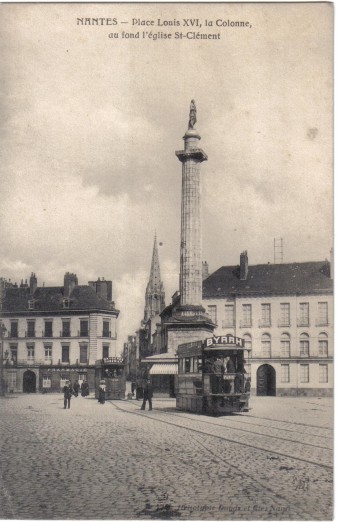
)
(90, 126)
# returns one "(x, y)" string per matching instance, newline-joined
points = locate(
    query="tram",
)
(211, 376)
(110, 374)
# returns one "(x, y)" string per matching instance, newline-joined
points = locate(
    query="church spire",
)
(154, 294)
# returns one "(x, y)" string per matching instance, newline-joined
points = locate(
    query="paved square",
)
(115, 461)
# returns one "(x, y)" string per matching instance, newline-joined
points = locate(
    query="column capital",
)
(196, 154)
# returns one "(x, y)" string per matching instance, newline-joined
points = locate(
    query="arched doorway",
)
(266, 380)
(29, 382)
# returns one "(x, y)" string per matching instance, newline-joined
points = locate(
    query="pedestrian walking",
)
(147, 395)
(84, 389)
(67, 392)
(76, 388)
(102, 393)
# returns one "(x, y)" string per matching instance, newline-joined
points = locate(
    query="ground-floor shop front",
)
(46, 379)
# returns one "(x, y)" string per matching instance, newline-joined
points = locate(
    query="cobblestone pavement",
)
(116, 461)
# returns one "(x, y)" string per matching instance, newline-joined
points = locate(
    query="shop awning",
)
(164, 369)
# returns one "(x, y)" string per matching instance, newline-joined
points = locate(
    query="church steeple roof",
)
(154, 294)
(155, 273)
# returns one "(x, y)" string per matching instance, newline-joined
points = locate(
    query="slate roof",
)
(279, 279)
(50, 299)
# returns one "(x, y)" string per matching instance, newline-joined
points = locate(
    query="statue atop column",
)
(192, 115)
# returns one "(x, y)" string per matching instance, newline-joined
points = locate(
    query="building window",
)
(284, 372)
(304, 345)
(247, 346)
(304, 314)
(212, 312)
(187, 365)
(31, 304)
(46, 381)
(48, 329)
(304, 373)
(30, 329)
(266, 345)
(106, 328)
(14, 329)
(266, 316)
(83, 328)
(323, 317)
(66, 303)
(48, 351)
(83, 353)
(323, 373)
(14, 353)
(105, 351)
(30, 351)
(65, 353)
(65, 327)
(285, 316)
(229, 316)
(11, 380)
(246, 321)
(285, 348)
(323, 345)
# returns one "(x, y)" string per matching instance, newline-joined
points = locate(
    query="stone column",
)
(191, 241)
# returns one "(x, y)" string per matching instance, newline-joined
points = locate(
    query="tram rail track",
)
(282, 499)
(244, 444)
(195, 418)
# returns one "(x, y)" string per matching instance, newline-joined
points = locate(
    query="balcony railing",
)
(30, 334)
(322, 322)
(303, 322)
(283, 323)
(106, 334)
(83, 333)
(245, 323)
(264, 323)
(228, 324)
(65, 334)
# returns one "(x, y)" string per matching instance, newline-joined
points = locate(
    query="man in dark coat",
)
(67, 392)
(84, 389)
(76, 388)
(147, 395)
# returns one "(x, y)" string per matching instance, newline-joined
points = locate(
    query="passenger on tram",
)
(218, 369)
(208, 366)
(230, 366)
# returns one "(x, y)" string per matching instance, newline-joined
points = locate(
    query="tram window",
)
(187, 365)
(199, 364)
(180, 365)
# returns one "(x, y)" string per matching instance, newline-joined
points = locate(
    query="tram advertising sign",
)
(221, 340)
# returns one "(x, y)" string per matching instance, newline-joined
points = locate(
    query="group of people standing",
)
(70, 390)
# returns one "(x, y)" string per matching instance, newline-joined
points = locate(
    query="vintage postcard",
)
(166, 261)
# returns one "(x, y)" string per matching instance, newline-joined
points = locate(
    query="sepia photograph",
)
(166, 261)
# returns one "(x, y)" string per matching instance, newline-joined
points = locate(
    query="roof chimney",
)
(70, 281)
(331, 264)
(243, 268)
(204, 270)
(33, 283)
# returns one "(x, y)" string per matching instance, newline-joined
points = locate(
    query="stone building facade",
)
(284, 312)
(53, 334)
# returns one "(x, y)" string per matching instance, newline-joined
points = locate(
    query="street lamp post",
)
(2, 387)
